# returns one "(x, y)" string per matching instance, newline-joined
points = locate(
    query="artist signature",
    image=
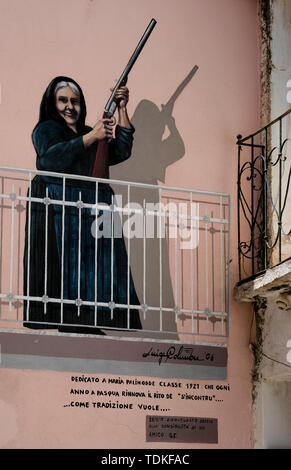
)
(181, 354)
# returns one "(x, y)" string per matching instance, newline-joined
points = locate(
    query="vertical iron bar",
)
(197, 283)
(206, 261)
(79, 251)
(45, 249)
(238, 209)
(161, 265)
(11, 248)
(227, 294)
(265, 207)
(144, 256)
(176, 264)
(222, 276)
(280, 192)
(128, 259)
(28, 248)
(19, 258)
(112, 253)
(212, 233)
(252, 207)
(191, 262)
(63, 248)
(206, 264)
(96, 256)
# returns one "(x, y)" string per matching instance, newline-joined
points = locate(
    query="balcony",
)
(263, 207)
(177, 245)
(264, 250)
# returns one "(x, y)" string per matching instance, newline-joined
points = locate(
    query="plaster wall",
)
(91, 41)
(272, 377)
(277, 414)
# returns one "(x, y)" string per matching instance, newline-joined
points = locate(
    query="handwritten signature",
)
(181, 354)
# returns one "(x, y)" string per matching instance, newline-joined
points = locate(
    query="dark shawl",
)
(60, 149)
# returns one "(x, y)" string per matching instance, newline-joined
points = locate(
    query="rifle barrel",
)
(129, 66)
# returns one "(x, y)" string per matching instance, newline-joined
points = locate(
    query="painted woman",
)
(62, 259)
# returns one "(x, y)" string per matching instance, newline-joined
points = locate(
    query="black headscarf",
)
(48, 104)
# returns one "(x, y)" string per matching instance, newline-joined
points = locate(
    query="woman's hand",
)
(102, 130)
(121, 97)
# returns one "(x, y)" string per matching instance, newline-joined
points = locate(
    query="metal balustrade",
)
(177, 243)
(263, 199)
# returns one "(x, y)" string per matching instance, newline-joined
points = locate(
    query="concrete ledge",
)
(89, 354)
(274, 279)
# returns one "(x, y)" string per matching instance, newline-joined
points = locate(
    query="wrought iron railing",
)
(177, 244)
(264, 197)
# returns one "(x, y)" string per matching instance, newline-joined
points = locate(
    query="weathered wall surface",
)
(272, 414)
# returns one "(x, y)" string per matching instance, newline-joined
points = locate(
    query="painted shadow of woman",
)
(151, 156)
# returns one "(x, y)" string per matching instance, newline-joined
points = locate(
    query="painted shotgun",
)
(110, 107)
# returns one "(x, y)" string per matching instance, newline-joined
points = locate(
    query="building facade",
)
(195, 87)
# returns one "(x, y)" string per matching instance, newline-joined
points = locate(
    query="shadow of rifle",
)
(168, 108)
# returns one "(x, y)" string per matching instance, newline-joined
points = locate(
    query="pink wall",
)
(91, 41)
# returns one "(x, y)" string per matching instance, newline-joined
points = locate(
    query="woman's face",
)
(68, 106)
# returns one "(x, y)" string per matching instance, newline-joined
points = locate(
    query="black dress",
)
(72, 244)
